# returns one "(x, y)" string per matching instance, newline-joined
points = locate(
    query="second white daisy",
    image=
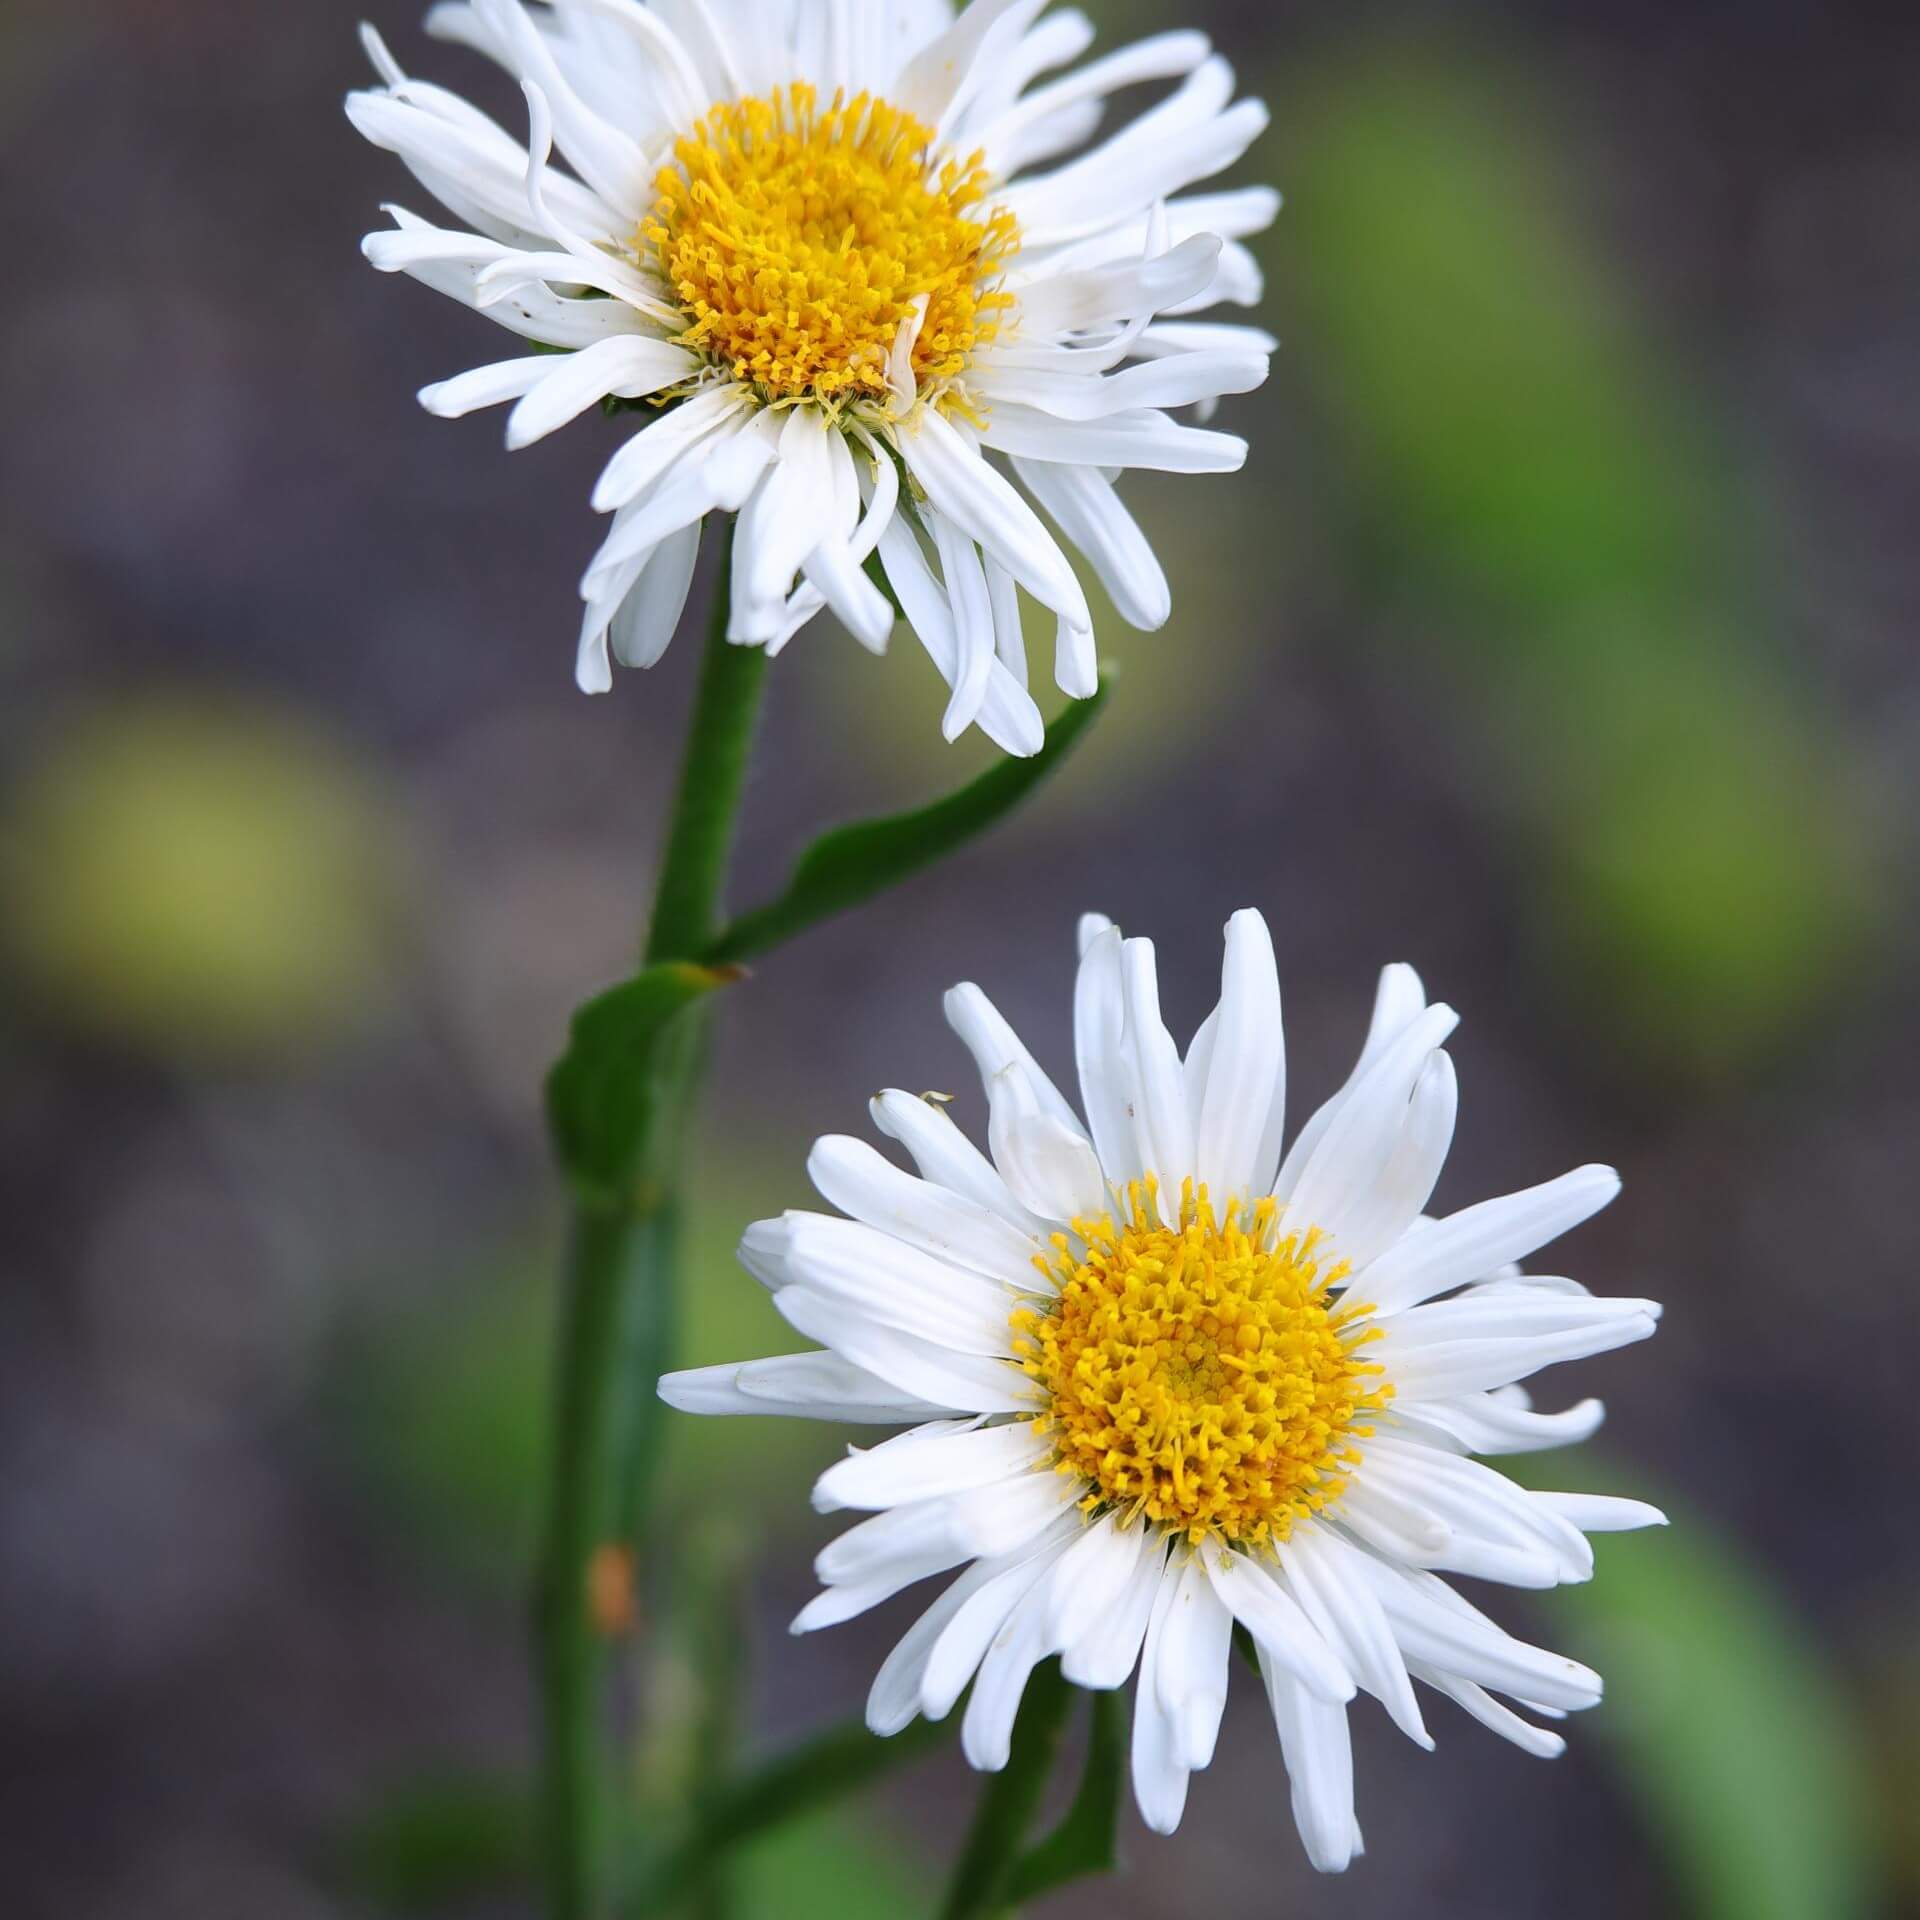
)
(823, 241)
(1160, 1379)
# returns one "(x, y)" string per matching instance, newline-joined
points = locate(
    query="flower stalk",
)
(619, 1317)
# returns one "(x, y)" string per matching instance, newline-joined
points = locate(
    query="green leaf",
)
(806, 1778)
(854, 863)
(1732, 1735)
(1084, 1841)
(600, 1097)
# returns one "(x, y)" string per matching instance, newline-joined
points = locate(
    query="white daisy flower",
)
(1159, 1379)
(832, 250)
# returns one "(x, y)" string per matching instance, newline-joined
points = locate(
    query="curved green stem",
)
(617, 1325)
(713, 776)
(984, 1873)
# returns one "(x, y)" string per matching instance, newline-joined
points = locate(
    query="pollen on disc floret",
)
(1200, 1374)
(799, 240)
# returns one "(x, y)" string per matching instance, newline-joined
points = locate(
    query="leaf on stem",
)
(600, 1096)
(1084, 1841)
(853, 863)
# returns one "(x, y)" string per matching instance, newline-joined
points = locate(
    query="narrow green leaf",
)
(808, 1777)
(1084, 1841)
(1731, 1734)
(601, 1094)
(1009, 1799)
(856, 862)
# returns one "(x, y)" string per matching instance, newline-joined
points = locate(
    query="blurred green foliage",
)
(1516, 446)
(441, 1840)
(1731, 1734)
(447, 1412)
(203, 878)
(438, 1839)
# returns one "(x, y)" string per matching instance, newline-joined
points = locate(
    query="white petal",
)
(1247, 1063)
(1084, 506)
(1437, 1633)
(1190, 1674)
(896, 1285)
(1499, 1719)
(973, 626)
(976, 1523)
(946, 1457)
(1468, 1245)
(658, 445)
(1315, 1746)
(1347, 1614)
(628, 365)
(945, 1156)
(787, 517)
(1430, 1365)
(1163, 1128)
(1092, 1579)
(995, 1046)
(1488, 1423)
(1140, 438)
(1159, 1781)
(1249, 1591)
(969, 1383)
(1359, 1141)
(964, 1641)
(961, 485)
(1601, 1512)
(650, 614)
(986, 1734)
(1050, 1167)
(1399, 1000)
(1068, 301)
(1099, 1043)
(867, 1186)
(808, 1386)
(893, 1703)
(486, 386)
(1385, 1210)
(1008, 717)
(1104, 1651)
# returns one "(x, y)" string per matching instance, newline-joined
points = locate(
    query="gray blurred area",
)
(1558, 639)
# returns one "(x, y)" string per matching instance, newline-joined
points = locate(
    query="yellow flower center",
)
(1199, 1375)
(798, 242)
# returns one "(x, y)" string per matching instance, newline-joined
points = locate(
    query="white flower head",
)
(1159, 1379)
(834, 252)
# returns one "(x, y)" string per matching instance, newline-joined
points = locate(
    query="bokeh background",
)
(1559, 638)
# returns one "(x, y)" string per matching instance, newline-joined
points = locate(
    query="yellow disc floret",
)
(1200, 1375)
(799, 240)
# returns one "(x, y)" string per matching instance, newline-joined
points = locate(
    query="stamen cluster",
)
(798, 241)
(1199, 1374)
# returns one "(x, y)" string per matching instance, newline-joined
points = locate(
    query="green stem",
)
(687, 903)
(579, 1516)
(982, 1877)
(618, 1318)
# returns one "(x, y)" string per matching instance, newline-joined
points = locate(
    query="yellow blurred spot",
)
(201, 879)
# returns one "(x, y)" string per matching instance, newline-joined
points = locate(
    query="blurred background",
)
(1559, 639)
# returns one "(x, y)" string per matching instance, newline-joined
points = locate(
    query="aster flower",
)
(1158, 1379)
(834, 253)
